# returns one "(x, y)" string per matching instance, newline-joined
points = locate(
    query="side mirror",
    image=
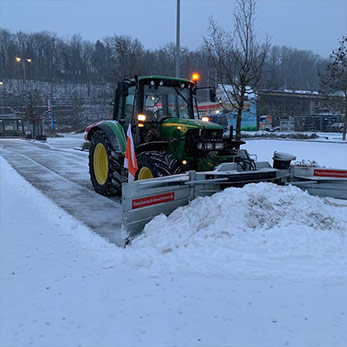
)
(213, 94)
(122, 89)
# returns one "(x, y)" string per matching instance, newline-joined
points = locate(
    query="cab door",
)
(125, 108)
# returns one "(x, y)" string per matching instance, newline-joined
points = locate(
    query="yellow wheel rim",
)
(145, 173)
(100, 163)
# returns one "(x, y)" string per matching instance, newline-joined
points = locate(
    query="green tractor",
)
(168, 137)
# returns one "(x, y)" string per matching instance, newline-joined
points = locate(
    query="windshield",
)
(166, 102)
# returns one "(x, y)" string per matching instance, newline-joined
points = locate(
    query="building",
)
(303, 110)
(11, 124)
(224, 113)
(283, 110)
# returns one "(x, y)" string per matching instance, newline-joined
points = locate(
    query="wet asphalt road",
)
(61, 173)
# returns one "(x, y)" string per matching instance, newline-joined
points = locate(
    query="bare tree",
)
(237, 57)
(77, 111)
(125, 56)
(32, 112)
(335, 76)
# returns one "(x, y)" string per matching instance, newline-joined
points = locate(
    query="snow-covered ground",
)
(258, 266)
(332, 155)
(281, 135)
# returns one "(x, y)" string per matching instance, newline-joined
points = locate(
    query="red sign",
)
(330, 173)
(152, 200)
(209, 107)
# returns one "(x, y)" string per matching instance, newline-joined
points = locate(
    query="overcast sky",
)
(315, 25)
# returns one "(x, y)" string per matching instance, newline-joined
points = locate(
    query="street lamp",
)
(28, 60)
(178, 38)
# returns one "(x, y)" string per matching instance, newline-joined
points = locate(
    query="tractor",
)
(169, 136)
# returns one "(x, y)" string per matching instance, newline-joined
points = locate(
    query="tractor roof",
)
(166, 78)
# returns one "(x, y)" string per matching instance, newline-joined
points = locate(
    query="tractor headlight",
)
(219, 145)
(141, 117)
(209, 146)
(199, 146)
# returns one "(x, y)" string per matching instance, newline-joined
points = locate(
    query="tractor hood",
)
(185, 124)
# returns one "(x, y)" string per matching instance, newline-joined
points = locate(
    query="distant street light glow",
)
(28, 60)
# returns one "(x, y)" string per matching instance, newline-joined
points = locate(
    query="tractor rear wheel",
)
(104, 166)
(156, 164)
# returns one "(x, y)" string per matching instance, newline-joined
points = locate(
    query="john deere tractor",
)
(169, 138)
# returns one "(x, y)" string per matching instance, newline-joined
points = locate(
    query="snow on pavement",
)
(258, 266)
(63, 176)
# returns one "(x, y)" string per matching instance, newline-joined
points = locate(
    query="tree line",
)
(115, 57)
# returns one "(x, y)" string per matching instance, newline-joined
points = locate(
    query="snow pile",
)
(260, 231)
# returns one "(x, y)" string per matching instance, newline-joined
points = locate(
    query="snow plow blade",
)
(143, 200)
(320, 181)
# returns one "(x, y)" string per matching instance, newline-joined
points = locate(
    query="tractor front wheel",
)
(156, 164)
(104, 166)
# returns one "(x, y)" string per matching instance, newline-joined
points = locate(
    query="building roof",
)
(292, 94)
(8, 113)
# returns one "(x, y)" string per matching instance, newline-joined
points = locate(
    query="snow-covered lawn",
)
(325, 154)
(258, 266)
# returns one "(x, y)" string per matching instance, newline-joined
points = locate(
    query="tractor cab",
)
(146, 102)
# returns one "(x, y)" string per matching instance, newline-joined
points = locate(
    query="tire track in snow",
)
(66, 182)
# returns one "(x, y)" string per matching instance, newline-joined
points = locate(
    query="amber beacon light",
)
(195, 77)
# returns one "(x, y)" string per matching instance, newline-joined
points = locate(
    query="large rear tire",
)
(104, 166)
(156, 164)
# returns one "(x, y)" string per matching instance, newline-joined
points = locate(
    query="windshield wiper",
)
(181, 95)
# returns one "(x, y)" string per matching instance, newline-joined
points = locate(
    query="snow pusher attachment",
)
(145, 199)
(320, 181)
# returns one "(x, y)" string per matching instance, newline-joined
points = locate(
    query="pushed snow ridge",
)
(261, 230)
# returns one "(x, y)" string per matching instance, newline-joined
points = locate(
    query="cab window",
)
(126, 105)
(166, 102)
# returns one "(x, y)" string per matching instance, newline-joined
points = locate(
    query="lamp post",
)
(1, 99)
(28, 60)
(178, 39)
